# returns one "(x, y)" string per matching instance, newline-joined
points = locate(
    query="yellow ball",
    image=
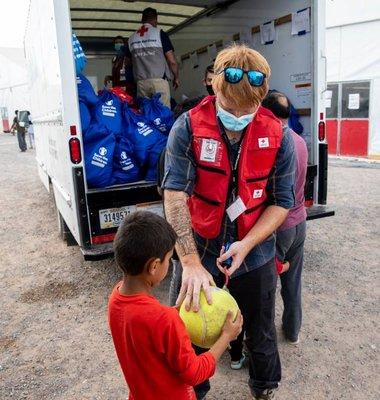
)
(205, 326)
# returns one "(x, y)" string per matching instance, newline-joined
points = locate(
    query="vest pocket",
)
(206, 200)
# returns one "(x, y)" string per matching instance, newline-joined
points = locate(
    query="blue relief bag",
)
(157, 114)
(99, 147)
(108, 112)
(125, 165)
(86, 92)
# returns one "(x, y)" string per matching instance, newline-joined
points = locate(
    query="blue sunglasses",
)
(235, 75)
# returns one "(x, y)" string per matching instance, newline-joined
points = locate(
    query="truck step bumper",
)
(318, 211)
(97, 252)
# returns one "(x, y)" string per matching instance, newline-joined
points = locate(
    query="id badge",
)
(209, 150)
(122, 74)
(236, 209)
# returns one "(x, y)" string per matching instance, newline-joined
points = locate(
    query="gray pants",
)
(290, 247)
(21, 140)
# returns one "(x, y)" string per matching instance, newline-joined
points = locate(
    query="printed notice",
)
(301, 22)
(267, 33)
(354, 101)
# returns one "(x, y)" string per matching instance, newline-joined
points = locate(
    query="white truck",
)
(289, 33)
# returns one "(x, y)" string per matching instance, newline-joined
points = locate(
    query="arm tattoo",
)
(178, 215)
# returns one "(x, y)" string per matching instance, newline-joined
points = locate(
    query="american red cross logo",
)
(142, 30)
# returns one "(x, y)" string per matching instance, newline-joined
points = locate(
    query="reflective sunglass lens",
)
(233, 75)
(256, 78)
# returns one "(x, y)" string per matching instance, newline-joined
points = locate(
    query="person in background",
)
(187, 104)
(30, 132)
(153, 59)
(292, 233)
(122, 74)
(207, 81)
(108, 82)
(16, 127)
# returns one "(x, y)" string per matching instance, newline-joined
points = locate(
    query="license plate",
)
(113, 217)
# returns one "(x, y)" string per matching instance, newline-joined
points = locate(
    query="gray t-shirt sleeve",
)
(180, 169)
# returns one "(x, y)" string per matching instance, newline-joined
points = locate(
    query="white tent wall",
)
(14, 92)
(353, 54)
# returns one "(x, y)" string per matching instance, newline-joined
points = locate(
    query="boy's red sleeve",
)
(180, 355)
(279, 265)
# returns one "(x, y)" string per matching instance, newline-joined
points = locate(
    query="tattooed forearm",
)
(178, 215)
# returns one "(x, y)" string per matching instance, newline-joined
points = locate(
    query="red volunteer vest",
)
(261, 142)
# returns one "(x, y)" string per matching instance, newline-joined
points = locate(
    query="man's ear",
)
(152, 265)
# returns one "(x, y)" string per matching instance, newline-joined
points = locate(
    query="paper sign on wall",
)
(354, 101)
(328, 103)
(194, 60)
(328, 94)
(301, 22)
(267, 33)
(211, 51)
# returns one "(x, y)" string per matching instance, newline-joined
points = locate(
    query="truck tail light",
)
(321, 131)
(75, 154)
(99, 239)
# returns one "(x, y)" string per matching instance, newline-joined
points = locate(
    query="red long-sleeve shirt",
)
(154, 349)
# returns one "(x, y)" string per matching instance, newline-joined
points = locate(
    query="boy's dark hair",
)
(141, 237)
(209, 70)
(16, 112)
(148, 14)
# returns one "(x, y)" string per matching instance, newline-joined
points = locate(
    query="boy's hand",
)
(232, 327)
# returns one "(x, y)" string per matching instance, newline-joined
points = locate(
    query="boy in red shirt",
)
(150, 339)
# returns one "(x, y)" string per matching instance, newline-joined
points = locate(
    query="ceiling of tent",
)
(108, 18)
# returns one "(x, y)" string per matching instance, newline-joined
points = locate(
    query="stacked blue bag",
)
(157, 114)
(87, 100)
(79, 56)
(125, 166)
(109, 112)
(148, 141)
(99, 148)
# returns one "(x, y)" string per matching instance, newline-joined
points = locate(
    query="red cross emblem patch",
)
(142, 31)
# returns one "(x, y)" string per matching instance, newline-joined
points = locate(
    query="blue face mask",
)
(118, 46)
(231, 122)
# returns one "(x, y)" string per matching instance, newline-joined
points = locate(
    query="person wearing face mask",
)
(228, 185)
(290, 237)
(122, 72)
(207, 81)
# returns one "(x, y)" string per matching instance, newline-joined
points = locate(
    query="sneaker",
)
(238, 364)
(293, 342)
(267, 394)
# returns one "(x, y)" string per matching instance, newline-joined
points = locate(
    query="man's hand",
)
(176, 83)
(238, 251)
(194, 278)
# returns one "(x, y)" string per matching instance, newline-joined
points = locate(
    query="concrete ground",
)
(54, 338)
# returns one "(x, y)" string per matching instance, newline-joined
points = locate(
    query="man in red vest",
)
(229, 176)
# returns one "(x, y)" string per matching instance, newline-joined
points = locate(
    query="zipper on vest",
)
(250, 180)
(206, 200)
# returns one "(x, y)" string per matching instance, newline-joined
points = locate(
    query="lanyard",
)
(234, 166)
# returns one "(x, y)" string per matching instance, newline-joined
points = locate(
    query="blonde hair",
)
(241, 94)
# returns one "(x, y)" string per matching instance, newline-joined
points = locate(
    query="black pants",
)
(255, 294)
